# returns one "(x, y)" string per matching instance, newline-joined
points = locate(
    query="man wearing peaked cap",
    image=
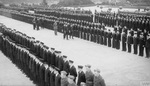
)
(81, 76)
(66, 66)
(135, 43)
(130, 42)
(141, 44)
(52, 48)
(72, 70)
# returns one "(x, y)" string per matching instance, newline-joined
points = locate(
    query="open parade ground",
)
(117, 68)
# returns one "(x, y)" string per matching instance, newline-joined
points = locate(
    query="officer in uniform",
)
(124, 40)
(109, 38)
(118, 38)
(130, 42)
(105, 37)
(141, 44)
(114, 39)
(148, 46)
(34, 23)
(66, 31)
(135, 43)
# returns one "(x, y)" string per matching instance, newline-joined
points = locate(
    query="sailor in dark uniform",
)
(141, 44)
(148, 46)
(135, 43)
(109, 38)
(124, 40)
(72, 70)
(130, 42)
(81, 76)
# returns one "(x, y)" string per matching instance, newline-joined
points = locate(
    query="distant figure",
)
(55, 27)
(148, 46)
(34, 21)
(66, 30)
(38, 24)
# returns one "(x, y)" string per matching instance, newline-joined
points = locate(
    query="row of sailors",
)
(92, 32)
(113, 39)
(109, 20)
(44, 74)
(47, 22)
(129, 22)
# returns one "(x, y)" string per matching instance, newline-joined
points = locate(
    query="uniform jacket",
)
(89, 78)
(52, 79)
(57, 80)
(60, 63)
(148, 43)
(99, 81)
(66, 66)
(135, 40)
(73, 71)
(130, 40)
(81, 78)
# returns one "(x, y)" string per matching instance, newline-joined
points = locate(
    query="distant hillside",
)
(26, 1)
(75, 2)
(140, 2)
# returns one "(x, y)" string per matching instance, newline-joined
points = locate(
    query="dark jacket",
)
(73, 71)
(57, 80)
(81, 78)
(99, 81)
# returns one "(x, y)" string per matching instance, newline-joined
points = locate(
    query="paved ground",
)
(10, 75)
(118, 68)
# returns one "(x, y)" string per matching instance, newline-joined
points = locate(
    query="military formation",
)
(128, 32)
(43, 65)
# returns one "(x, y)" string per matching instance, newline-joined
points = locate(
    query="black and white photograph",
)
(74, 42)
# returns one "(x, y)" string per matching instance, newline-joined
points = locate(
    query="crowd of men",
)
(43, 65)
(130, 31)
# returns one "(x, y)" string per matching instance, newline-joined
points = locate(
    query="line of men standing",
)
(46, 67)
(97, 32)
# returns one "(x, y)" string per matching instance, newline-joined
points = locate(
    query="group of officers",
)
(123, 34)
(43, 65)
